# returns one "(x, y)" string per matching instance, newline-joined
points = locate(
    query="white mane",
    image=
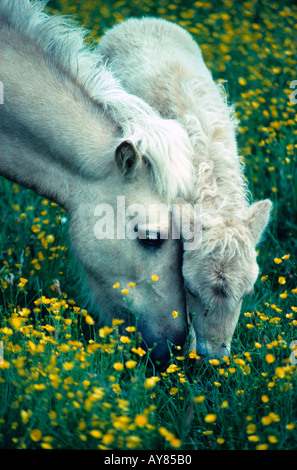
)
(164, 143)
(221, 185)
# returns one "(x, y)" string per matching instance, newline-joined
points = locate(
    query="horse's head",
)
(121, 234)
(220, 274)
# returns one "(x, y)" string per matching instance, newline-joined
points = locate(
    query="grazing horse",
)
(159, 62)
(70, 132)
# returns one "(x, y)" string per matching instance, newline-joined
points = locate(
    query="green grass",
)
(66, 383)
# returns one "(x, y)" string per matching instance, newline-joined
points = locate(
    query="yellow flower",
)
(272, 439)
(224, 404)
(266, 420)
(118, 366)
(95, 433)
(286, 256)
(282, 280)
(125, 291)
(16, 322)
(45, 445)
(130, 329)
(254, 438)
(89, 320)
(36, 435)
(277, 260)
(25, 416)
(130, 364)
(251, 428)
(214, 362)
(220, 440)
(172, 368)
(141, 420)
(210, 418)
(116, 285)
(68, 365)
(35, 228)
(52, 414)
(23, 281)
(294, 290)
(265, 398)
(173, 391)
(199, 399)
(125, 339)
(290, 426)
(104, 331)
(154, 277)
(165, 433)
(193, 355)
(274, 417)
(139, 351)
(50, 239)
(242, 81)
(117, 322)
(262, 447)
(284, 295)
(269, 358)
(108, 438)
(175, 442)
(279, 371)
(175, 314)
(39, 387)
(133, 442)
(151, 382)
(116, 388)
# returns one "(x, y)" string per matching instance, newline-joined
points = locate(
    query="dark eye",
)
(148, 239)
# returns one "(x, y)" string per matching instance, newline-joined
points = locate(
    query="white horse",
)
(161, 63)
(69, 131)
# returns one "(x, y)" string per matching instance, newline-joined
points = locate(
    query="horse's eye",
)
(148, 239)
(151, 241)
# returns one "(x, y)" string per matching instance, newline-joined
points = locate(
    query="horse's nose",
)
(159, 346)
(212, 350)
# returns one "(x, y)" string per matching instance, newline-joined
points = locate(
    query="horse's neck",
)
(49, 130)
(47, 103)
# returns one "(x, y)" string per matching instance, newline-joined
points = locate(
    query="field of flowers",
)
(66, 382)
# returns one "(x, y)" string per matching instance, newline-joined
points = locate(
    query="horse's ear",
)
(258, 218)
(127, 158)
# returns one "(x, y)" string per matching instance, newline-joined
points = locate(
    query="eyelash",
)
(150, 242)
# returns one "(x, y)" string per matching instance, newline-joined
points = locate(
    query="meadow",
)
(67, 382)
